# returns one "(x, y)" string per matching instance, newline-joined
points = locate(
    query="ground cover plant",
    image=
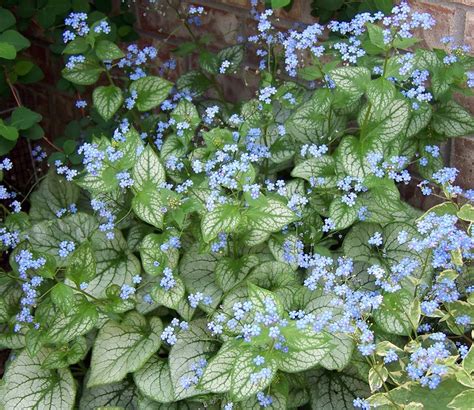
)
(188, 252)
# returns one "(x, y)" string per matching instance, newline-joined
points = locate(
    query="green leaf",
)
(306, 349)
(466, 213)
(45, 236)
(150, 252)
(186, 111)
(463, 401)
(328, 5)
(356, 246)
(7, 19)
(352, 81)
(123, 395)
(380, 93)
(63, 327)
(377, 377)
(34, 133)
(106, 180)
(192, 345)
(185, 48)
(23, 67)
(148, 206)
(49, 10)
(62, 296)
(399, 313)
(376, 36)
(148, 174)
(208, 61)
(82, 267)
(342, 214)
(154, 380)
(152, 91)
(217, 374)
(269, 216)
(336, 390)
(279, 277)
(441, 81)
(384, 5)
(438, 398)
(384, 123)
(310, 73)
(468, 361)
(314, 168)
(194, 81)
(451, 120)
(15, 39)
(85, 73)
(230, 272)
(405, 43)
(224, 218)
(8, 132)
(26, 385)
(107, 100)
(241, 385)
(148, 171)
(115, 262)
(23, 118)
(66, 356)
(4, 314)
(121, 348)
(77, 46)
(169, 298)
(418, 120)
(319, 302)
(197, 271)
(258, 297)
(314, 121)
(106, 50)
(234, 55)
(277, 4)
(7, 51)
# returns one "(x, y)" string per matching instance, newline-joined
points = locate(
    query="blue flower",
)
(375, 239)
(126, 291)
(65, 248)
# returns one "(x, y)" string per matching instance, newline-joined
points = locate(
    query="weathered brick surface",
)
(469, 29)
(465, 2)
(462, 156)
(444, 15)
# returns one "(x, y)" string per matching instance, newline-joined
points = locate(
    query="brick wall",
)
(228, 19)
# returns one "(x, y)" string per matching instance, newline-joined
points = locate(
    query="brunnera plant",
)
(206, 254)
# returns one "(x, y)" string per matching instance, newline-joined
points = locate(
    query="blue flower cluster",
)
(65, 248)
(351, 186)
(169, 333)
(106, 214)
(393, 168)
(198, 370)
(135, 60)
(426, 365)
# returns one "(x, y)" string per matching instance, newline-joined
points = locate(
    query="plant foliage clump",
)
(193, 252)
